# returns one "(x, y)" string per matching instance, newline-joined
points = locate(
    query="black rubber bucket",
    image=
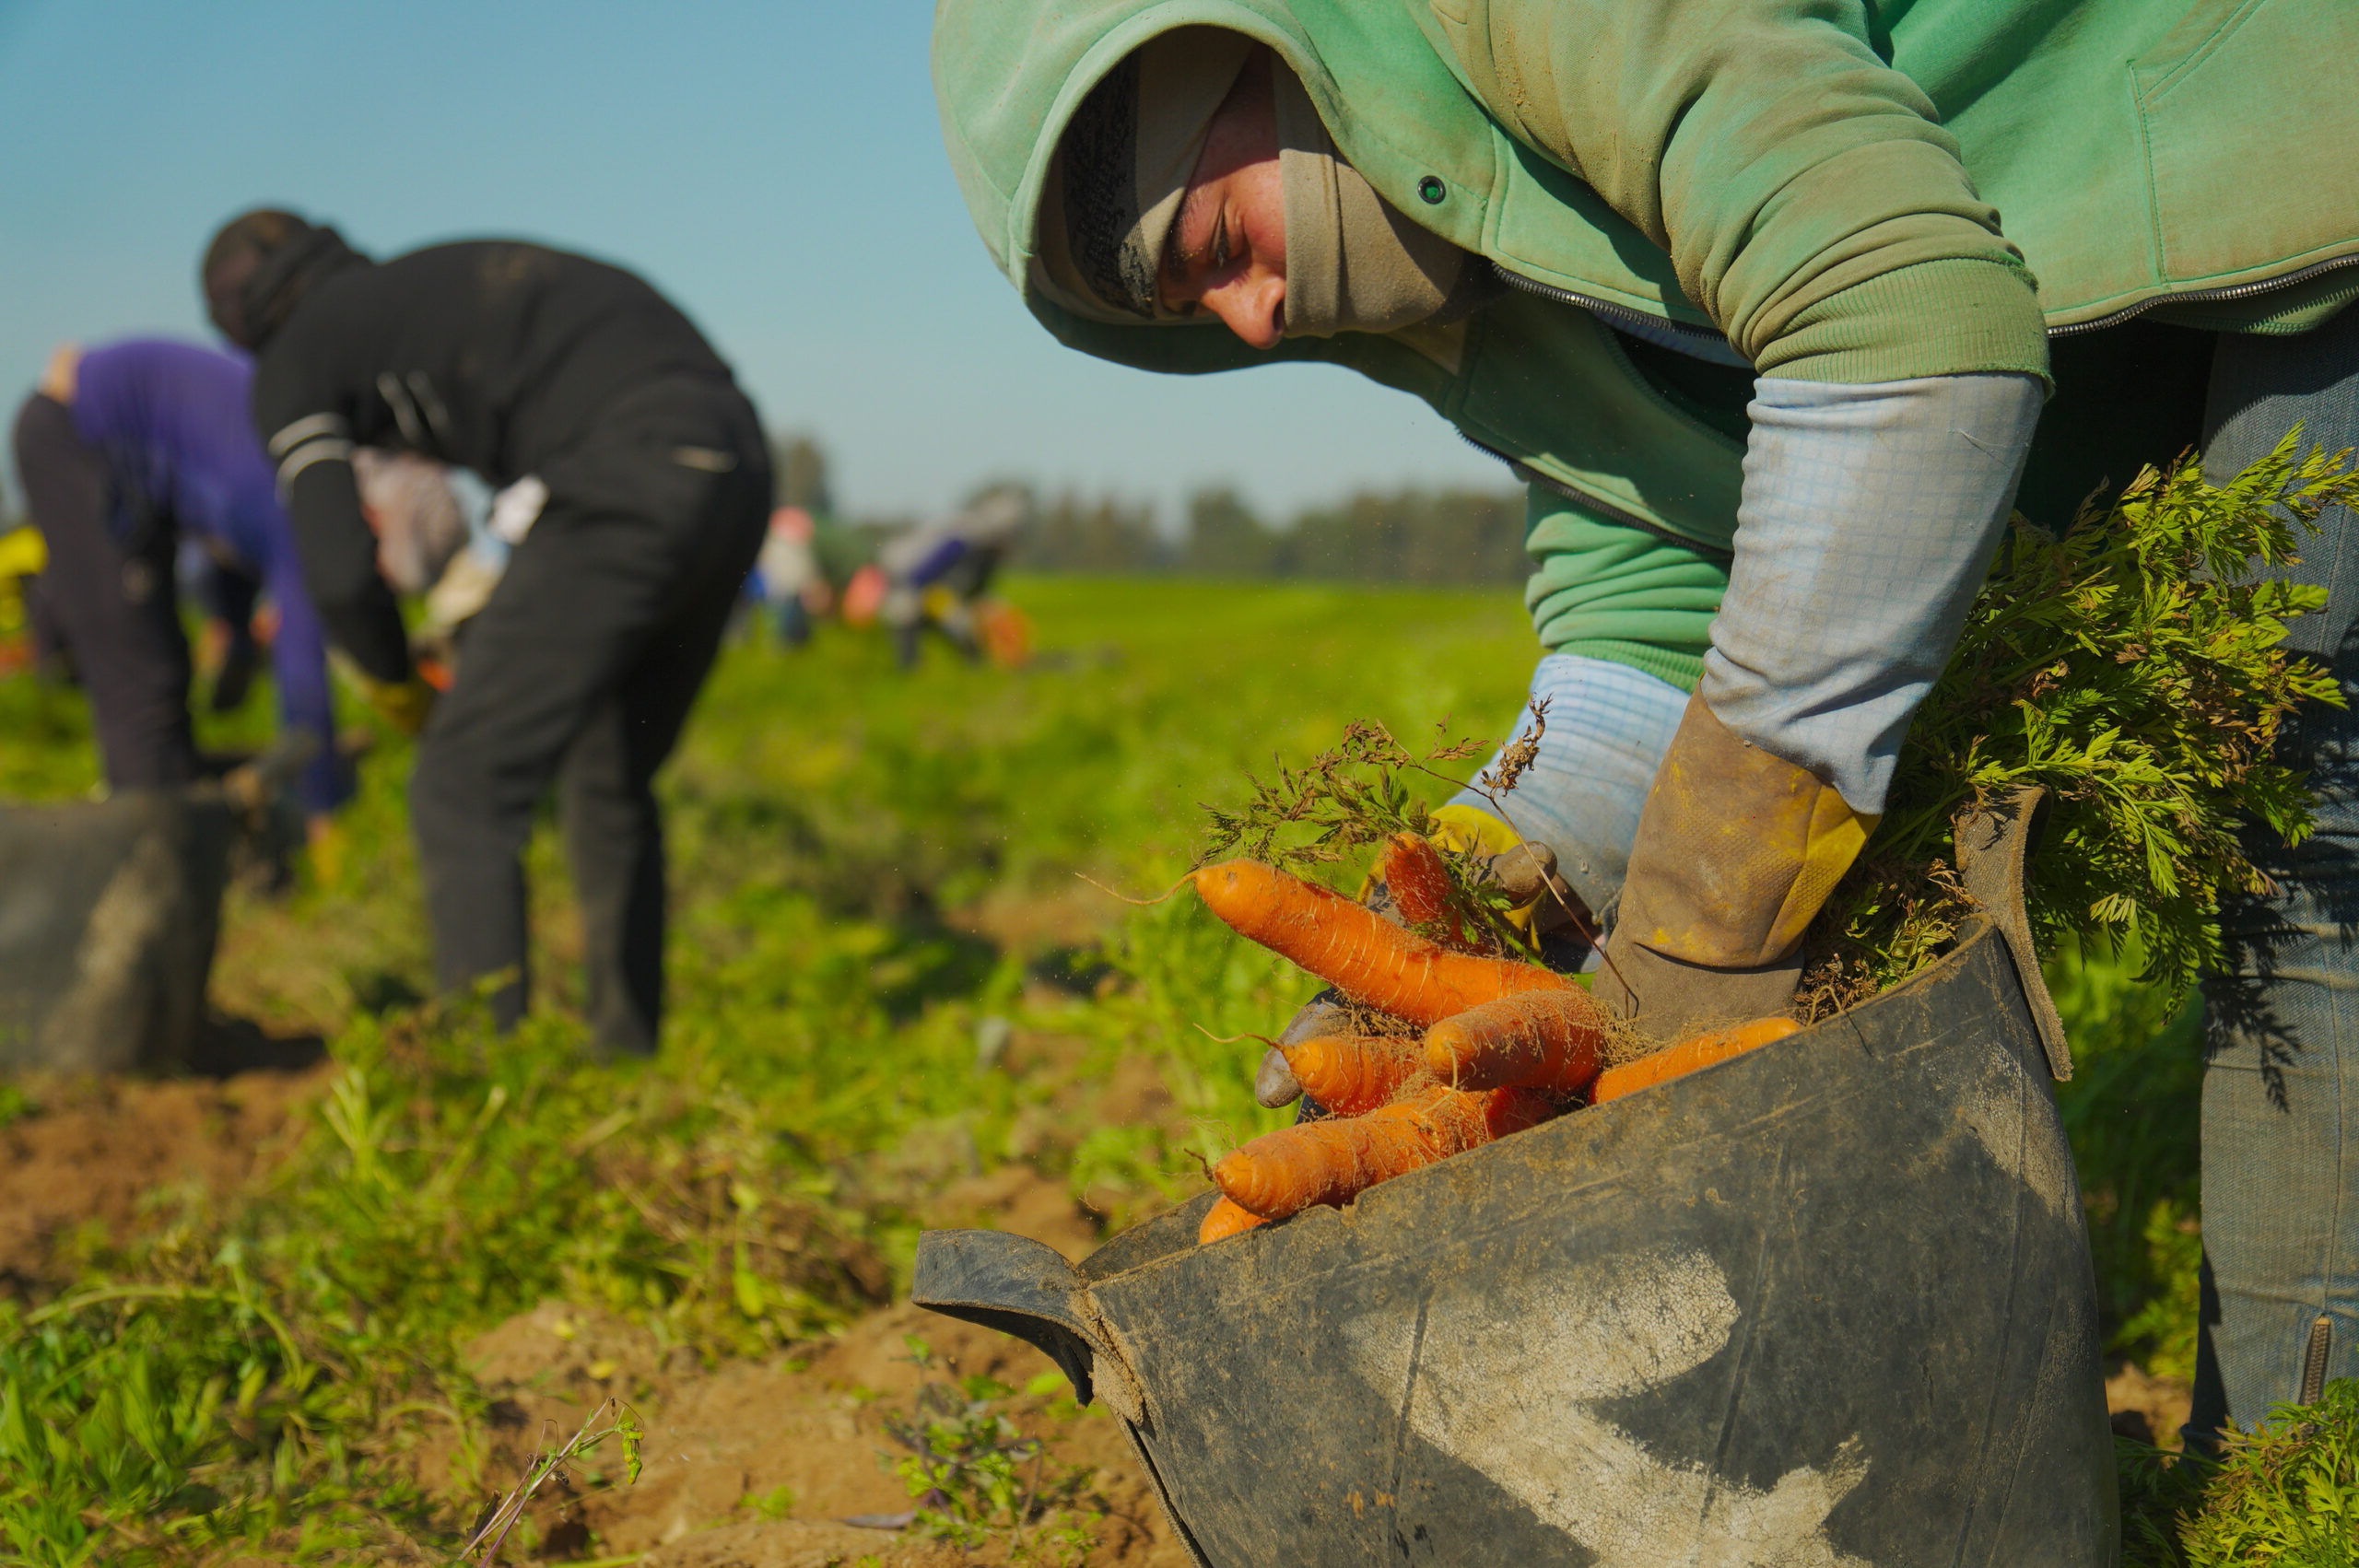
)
(1824, 1305)
(108, 913)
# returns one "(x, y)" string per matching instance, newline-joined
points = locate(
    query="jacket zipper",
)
(2209, 296)
(1606, 509)
(1707, 344)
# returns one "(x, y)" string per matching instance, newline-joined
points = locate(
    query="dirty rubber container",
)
(108, 916)
(1825, 1305)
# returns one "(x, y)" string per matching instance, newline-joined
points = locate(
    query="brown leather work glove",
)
(1736, 851)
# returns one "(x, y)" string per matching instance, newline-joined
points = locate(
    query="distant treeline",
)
(1437, 536)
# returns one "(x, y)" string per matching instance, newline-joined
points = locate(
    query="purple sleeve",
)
(299, 657)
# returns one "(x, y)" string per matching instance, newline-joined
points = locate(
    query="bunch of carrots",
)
(1444, 1048)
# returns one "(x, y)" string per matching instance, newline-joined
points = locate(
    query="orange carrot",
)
(1352, 1075)
(1224, 1220)
(1356, 951)
(1418, 878)
(1546, 1039)
(1333, 1162)
(1686, 1057)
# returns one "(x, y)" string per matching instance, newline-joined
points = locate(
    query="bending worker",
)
(126, 450)
(574, 383)
(1725, 282)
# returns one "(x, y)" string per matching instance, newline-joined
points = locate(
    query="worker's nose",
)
(1253, 305)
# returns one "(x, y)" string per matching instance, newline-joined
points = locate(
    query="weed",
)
(776, 1503)
(2134, 666)
(260, 1372)
(974, 1476)
(491, 1532)
(2285, 1496)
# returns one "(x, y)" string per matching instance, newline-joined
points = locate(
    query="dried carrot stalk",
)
(1688, 1055)
(1357, 950)
(1544, 1039)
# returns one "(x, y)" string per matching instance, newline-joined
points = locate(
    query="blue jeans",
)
(2281, 1086)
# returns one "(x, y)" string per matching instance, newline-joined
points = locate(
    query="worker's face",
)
(1228, 251)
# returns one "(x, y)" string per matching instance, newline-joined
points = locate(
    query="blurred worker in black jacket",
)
(567, 382)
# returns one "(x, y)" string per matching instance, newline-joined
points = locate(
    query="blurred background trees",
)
(1436, 537)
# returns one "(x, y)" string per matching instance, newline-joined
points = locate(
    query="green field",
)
(871, 873)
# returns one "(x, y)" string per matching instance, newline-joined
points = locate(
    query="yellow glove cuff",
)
(23, 553)
(1833, 840)
(1463, 828)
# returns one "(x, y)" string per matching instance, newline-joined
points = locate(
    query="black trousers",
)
(581, 671)
(107, 595)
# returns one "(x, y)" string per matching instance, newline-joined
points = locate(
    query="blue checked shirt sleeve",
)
(1869, 517)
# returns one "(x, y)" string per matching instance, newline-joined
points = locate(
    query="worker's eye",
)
(1220, 245)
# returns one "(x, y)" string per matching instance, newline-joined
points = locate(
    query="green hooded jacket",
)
(1819, 182)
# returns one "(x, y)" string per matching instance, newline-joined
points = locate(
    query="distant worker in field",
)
(633, 488)
(940, 575)
(787, 583)
(127, 452)
(1725, 283)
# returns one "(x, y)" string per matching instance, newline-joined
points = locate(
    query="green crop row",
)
(872, 872)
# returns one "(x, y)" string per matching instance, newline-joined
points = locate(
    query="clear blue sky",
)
(777, 168)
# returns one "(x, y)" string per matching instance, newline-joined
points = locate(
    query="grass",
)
(869, 871)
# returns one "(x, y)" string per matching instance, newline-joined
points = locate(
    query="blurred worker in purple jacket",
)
(125, 450)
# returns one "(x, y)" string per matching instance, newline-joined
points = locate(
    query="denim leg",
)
(2280, 1087)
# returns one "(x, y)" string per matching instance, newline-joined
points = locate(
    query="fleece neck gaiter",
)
(1354, 262)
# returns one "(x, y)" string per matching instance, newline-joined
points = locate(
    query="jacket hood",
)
(1010, 75)
(262, 265)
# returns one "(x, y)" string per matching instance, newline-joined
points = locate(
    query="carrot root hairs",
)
(1689, 1056)
(1544, 1039)
(1356, 951)
(1335, 1161)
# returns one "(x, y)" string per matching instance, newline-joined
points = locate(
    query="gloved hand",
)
(1401, 1104)
(1526, 871)
(1736, 851)
(328, 844)
(404, 704)
(1581, 793)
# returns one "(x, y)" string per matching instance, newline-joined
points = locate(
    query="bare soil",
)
(2147, 1408)
(760, 1466)
(95, 1155)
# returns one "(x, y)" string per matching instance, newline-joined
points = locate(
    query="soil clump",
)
(760, 1465)
(90, 1157)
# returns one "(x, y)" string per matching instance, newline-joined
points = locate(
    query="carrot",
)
(1224, 1220)
(1688, 1055)
(1356, 951)
(1351, 1074)
(1333, 1162)
(1414, 873)
(1546, 1039)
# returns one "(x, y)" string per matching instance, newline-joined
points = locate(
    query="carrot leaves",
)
(2135, 666)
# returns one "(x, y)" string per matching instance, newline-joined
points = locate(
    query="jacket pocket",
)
(2252, 135)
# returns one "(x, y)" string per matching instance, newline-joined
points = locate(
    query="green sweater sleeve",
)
(1611, 591)
(1810, 201)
